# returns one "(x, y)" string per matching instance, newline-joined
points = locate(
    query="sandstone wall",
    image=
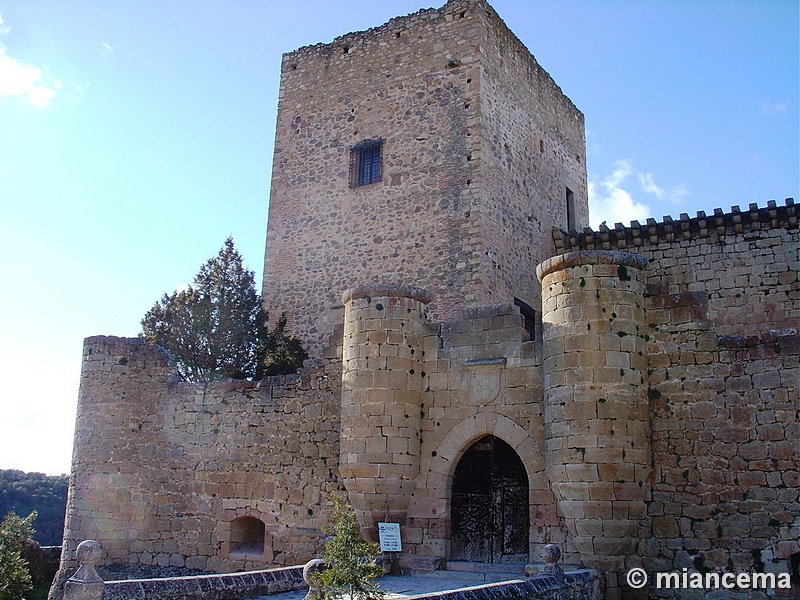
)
(394, 83)
(161, 468)
(597, 422)
(725, 398)
(382, 390)
(723, 314)
(532, 150)
(459, 104)
(481, 378)
(695, 326)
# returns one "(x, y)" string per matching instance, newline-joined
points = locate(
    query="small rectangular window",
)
(366, 165)
(570, 210)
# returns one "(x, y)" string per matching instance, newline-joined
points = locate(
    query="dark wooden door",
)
(489, 507)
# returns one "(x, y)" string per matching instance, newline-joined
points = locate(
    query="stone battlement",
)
(718, 225)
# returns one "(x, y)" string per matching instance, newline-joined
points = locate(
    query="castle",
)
(485, 370)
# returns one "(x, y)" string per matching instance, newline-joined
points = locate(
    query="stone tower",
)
(382, 390)
(595, 377)
(433, 149)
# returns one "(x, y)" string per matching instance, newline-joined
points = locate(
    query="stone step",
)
(480, 567)
(469, 578)
(476, 573)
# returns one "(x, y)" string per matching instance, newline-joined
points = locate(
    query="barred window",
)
(365, 163)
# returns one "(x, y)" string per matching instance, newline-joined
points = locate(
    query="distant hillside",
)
(46, 494)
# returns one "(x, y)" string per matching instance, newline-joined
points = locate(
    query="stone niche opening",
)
(247, 538)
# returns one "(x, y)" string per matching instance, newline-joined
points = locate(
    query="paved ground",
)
(404, 587)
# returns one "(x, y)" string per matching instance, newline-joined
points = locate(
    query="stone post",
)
(86, 583)
(597, 427)
(382, 391)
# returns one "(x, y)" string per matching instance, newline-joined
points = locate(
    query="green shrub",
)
(15, 577)
(350, 561)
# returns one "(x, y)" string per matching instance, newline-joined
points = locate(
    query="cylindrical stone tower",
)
(597, 428)
(382, 380)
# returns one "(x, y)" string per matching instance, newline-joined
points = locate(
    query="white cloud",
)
(106, 48)
(775, 108)
(25, 81)
(614, 205)
(4, 29)
(612, 201)
(676, 195)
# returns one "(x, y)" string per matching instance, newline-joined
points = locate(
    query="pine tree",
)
(217, 328)
(350, 561)
(211, 328)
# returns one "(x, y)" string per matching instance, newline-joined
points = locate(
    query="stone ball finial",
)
(551, 554)
(86, 584)
(313, 566)
(89, 552)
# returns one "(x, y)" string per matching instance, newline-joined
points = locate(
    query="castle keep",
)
(477, 148)
(485, 370)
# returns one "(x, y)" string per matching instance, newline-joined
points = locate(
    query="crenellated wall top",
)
(685, 228)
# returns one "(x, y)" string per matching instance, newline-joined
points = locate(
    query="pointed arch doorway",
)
(489, 512)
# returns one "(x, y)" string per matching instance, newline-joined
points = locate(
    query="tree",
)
(15, 578)
(23, 493)
(280, 353)
(217, 328)
(350, 561)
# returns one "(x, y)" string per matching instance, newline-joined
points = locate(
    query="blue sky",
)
(136, 136)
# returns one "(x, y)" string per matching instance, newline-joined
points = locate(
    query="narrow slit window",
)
(366, 164)
(570, 210)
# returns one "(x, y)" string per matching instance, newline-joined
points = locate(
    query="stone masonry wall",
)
(723, 314)
(392, 83)
(481, 377)
(532, 149)
(382, 389)
(161, 468)
(597, 422)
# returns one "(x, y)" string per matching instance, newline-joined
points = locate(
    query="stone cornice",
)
(376, 290)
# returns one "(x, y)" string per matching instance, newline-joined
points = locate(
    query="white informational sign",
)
(389, 535)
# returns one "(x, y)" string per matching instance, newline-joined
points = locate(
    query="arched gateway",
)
(489, 509)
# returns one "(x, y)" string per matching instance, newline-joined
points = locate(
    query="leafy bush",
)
(15, 578)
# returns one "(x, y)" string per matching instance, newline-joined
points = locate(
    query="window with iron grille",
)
(366, 165)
